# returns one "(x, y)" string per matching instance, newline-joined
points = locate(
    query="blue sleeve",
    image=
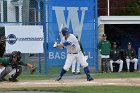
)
(66, 43)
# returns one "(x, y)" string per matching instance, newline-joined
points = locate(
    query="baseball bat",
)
(60, 29)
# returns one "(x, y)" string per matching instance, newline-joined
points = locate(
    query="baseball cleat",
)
(90, 79)
(58, 78)
(13, 80)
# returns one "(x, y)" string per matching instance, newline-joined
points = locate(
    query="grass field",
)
(87, 89)
(95, 75)
(84, 89)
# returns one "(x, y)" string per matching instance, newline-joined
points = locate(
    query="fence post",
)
(39, 55)
(96, 35)
(45, 35)
(139, 59)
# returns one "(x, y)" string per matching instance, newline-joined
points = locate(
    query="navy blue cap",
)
(65, 31)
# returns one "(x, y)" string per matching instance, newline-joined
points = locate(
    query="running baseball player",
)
(73, 53)
(12, 66)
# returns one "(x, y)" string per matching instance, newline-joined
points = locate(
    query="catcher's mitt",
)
(33, 70)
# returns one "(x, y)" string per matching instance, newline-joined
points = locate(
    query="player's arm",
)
(60, 46)
(25, 64)
(64, 44)
(99, 45)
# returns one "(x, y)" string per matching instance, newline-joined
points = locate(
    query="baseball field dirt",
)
(71, 82)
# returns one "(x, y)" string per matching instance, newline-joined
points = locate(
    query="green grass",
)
(95, 75)
(88, 89)
(117, 75)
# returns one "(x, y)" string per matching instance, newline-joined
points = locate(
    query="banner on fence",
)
(27, 39)
(78, 16)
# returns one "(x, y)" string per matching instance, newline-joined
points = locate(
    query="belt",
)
(74, 53)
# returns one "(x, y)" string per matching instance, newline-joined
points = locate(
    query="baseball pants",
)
(75, 66)
(79, 57)
(120, 62)
(134, 60)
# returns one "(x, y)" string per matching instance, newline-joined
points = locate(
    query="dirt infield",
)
(71, 82)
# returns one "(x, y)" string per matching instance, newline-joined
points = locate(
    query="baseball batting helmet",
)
(65, 31)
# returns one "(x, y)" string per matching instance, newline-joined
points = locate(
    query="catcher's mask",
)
(15, 54)
(18, 56)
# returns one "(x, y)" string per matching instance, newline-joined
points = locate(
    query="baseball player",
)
(104, 47)
(2, 45)
(73, 53)
(75, 64)
(115, 57)
(12, 66)
(131, 57)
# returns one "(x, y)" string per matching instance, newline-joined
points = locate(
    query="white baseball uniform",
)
(73, 52)
(134, 60)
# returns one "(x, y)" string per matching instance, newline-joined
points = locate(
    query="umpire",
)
(104, 47)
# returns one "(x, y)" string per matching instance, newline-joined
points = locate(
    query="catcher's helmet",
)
(65, 31)
(16, 54)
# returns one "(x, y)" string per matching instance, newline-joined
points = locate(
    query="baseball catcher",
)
(12, 66)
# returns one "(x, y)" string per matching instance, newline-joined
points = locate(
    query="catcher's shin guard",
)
(87, 72)
(5, 72)
(18, 72)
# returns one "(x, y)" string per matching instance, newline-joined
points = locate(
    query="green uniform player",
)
(12, 66)
(104, 47)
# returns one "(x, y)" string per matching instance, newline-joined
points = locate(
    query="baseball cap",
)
(129, 43)
(103, 35)
(114, 43)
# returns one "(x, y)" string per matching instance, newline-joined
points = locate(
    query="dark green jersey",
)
(81, 47)
(5, 61)
(104, 46)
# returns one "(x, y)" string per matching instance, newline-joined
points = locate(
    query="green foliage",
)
(130, 9)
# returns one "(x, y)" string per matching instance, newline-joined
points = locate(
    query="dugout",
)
(121, 29)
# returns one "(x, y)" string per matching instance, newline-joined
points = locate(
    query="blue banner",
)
(78, 16)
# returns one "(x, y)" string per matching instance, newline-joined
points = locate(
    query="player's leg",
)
(82, 60)
(5, 72)
(16, 72)
(103, 64)
(73, 66)
(78, 68)
(111, 66)
(128, 64)
(135, 61)
(121, 65)
(69, 60)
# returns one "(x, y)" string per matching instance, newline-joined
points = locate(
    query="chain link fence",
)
(119, 7)
(31, 12)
